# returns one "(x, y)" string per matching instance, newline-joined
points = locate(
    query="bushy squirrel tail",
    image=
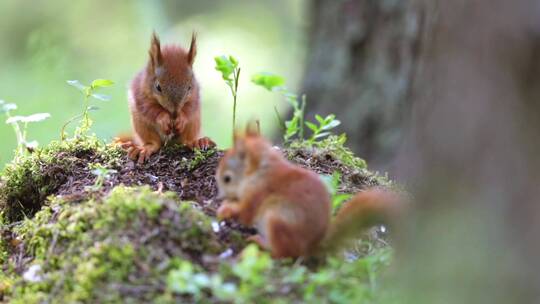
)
(123, 139)
(366, 209)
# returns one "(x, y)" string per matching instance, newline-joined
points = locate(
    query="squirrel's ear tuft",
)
(253, 128)
(192, 49)
(156, 58)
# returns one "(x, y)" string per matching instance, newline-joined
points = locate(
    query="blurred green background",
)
(45, 43)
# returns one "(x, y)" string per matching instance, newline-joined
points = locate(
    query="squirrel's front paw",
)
(164, 122)
(226, 211)
(202, 143)
(180, 125)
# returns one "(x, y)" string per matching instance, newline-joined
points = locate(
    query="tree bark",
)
(360, 64)
(471, 154)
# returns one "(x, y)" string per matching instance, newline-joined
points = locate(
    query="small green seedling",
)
(189, 279)
(276, 83)
(102, 174)
(20, 125)
(323, 129)
(88, 92)
(295, 127)
(230, 72)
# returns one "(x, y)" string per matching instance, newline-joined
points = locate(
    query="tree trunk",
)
(361, 59)
(472, 154)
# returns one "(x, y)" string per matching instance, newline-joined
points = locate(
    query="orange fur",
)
(288, 204)
(164, 102)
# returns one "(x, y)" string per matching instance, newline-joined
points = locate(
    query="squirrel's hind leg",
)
(283, 239)
(260, 241)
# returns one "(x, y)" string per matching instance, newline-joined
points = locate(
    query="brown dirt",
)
(169, 170)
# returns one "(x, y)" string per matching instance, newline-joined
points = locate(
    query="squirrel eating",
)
(289, 205)
(164, 102)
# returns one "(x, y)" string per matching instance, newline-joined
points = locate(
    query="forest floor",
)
(80, 222)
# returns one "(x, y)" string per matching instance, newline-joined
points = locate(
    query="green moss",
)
(198, 158)
(29, 180)
(88, 250)
(335, 146)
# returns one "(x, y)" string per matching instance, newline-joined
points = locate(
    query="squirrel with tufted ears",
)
(289, 205)
(164, 102)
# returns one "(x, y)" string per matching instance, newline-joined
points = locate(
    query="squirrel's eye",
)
(227, 178)
(158, 87)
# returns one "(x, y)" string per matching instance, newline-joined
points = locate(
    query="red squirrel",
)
(164, 102)
(289, 205)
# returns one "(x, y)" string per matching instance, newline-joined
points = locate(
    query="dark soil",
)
(169, 170)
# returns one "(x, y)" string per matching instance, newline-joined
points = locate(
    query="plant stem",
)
(302, 114)
(18, 135)
(234, 91)
(86, 122)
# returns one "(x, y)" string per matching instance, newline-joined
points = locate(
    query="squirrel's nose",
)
(179, 95)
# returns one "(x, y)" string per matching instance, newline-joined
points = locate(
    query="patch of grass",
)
(255, 277)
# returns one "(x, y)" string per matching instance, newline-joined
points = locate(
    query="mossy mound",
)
(65, 240)
(97, 250)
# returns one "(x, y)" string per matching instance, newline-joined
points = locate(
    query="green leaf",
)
(329, 118)
(252, 264)
(268, 80)
(319, 118)
(334, 123)
(14, 119)
(233, 60)
(92, 108)
(338, 200)
(101, 97)
(180, 280)
(31, 118)
(321, 135)
(77, 84)
(101, 83)
(36, 117)
(225, 66)
(4, 108)
(342, 139)
(292, 127)
(313, 127)
(290, 96)
(327, 181)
